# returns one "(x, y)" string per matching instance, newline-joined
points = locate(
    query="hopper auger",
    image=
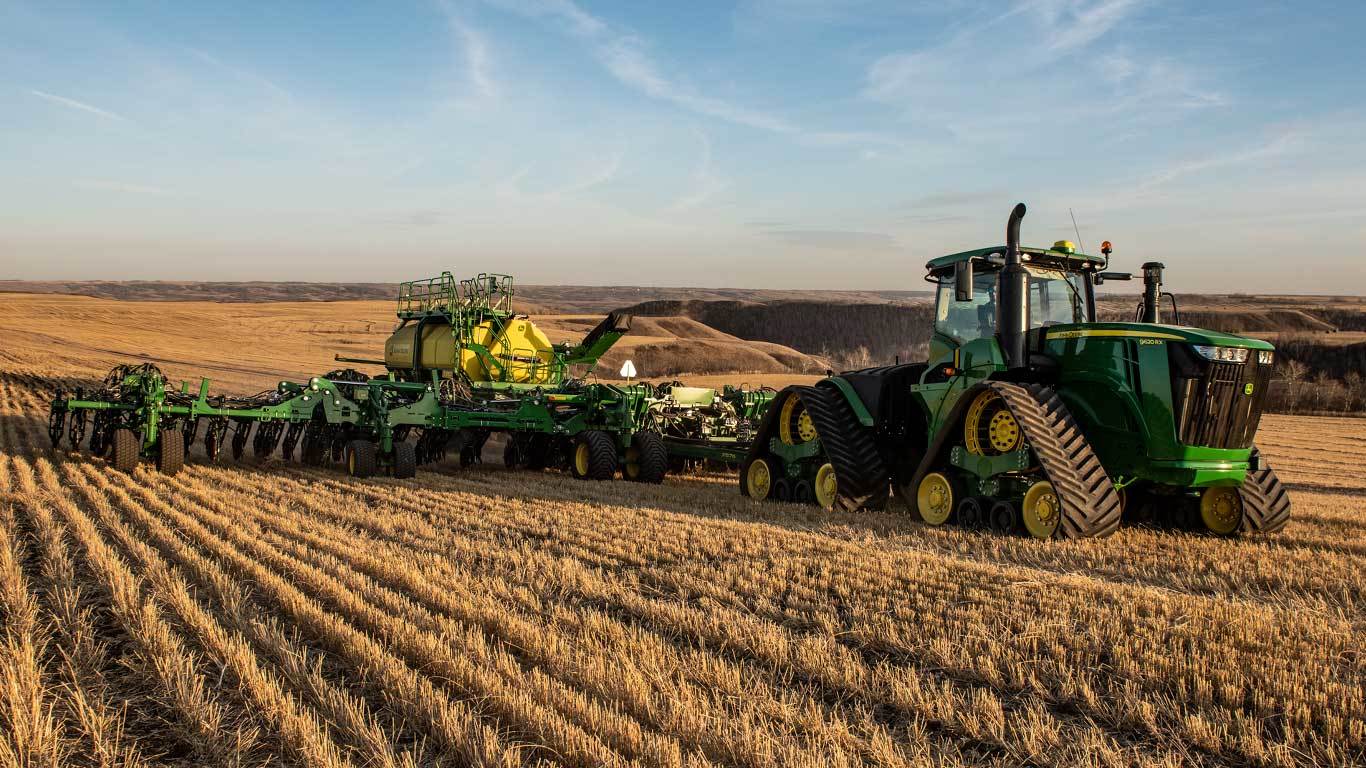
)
(1030, 414)
(460, 366)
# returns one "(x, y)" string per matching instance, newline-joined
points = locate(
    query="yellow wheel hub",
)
(990, 429)
(581, 457)
(632, 469)
(758, 480)
(1003, 432)
(934, 498)
(794, 423)
(1041, 510)
(1221, 509)
(827, 486)
(351, 463)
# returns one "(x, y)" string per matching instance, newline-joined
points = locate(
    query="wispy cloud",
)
(626, 58)
(105, 185)
(605, 172)
(474, 52)
(244, 75)
(1277, 146)
(1039, 65)
(706, 184)
(1075, 24)
(78, 105)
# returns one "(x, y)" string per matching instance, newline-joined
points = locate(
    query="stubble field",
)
(259, 613)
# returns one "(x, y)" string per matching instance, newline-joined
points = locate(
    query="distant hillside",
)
(229, 292)
(530, 298)
(849, 334)
(667, 346)
(1244, 320)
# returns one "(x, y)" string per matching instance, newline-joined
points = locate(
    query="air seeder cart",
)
(460, 366)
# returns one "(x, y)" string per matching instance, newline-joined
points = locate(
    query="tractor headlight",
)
(1223, 354)
(1265, 357)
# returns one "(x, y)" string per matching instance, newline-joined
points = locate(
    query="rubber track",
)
(1266, 503)
(1091, 506)
(863, 477)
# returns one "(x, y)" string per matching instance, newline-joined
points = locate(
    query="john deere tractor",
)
(1030, 414)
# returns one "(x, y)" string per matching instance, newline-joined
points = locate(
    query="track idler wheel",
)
(826, 486)
(127, 450)
(803, 492)
(1221, 510)
(1041, 511)
(936, 497)
(757, 478)
(594, 456)
(170, 451)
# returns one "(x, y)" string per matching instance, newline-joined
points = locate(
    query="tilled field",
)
(265, 613)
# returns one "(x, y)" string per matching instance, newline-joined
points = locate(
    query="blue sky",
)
(769, 143)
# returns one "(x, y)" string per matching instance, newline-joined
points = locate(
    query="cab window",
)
(1056, 298)
(967, 320)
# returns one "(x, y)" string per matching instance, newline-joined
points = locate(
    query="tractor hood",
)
(1153, 331)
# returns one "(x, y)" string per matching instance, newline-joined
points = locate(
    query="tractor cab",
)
(1060, 291)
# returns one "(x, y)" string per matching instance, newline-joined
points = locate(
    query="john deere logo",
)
(1247, 388)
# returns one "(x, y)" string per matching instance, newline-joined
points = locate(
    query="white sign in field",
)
(628, 370)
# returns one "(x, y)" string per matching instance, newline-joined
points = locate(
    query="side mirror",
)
(1103, 276)
(962, 281)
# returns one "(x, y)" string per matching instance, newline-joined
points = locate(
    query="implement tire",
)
(127, 450)
(1266, 503)
(594, 456)
(170, 451)
(647, 461)
(362, 458)
(405, 461)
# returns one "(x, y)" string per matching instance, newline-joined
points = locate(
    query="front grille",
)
(1215, 407)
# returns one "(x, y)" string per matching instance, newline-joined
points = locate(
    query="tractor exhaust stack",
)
(1152, 292)
(1013, 295)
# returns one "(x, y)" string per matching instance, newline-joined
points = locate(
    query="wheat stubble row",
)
(304, 618)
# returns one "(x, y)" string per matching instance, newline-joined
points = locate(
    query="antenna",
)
(1076, 229)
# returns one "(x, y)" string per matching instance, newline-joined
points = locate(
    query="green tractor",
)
(1030, 414)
